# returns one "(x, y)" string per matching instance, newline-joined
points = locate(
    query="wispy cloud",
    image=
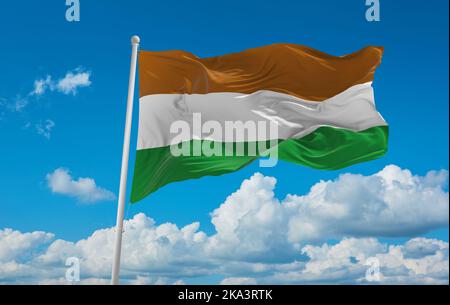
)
(69, 84)
(18, 104)
(41, 86)
(72, 81)
(45, 128)
(84, 189)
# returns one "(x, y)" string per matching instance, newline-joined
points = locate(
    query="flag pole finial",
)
(135, 39)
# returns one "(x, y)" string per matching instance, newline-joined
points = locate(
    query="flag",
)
(322, 107)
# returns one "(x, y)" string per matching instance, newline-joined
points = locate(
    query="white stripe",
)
(352, 109)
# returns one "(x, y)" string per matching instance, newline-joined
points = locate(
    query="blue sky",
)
(411, 90)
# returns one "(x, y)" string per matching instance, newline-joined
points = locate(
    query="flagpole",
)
(125, 156)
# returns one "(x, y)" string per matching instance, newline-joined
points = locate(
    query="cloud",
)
(14, 244)
(238, 281)
(18, 104)
(69, 84)
(347, 262)
(12, 105)
(84, 189)
(163, 254)
(390, 203)
(45, 129)
(72, 81)
(41, 86)
(261, 239)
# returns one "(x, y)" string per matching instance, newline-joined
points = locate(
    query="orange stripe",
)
(286, 68)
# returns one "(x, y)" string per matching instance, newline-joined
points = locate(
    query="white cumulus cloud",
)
(84, 189)
(238, 281)
(14, 244)
(390, 203)
(260, 239)
(349, 260)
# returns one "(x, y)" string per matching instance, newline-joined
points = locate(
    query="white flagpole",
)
(125, 155)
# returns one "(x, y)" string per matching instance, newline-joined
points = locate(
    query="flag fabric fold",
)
(323, 108)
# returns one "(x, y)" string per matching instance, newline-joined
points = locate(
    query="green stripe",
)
(326, 148)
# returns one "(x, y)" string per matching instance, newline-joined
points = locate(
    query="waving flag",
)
(322, 105)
